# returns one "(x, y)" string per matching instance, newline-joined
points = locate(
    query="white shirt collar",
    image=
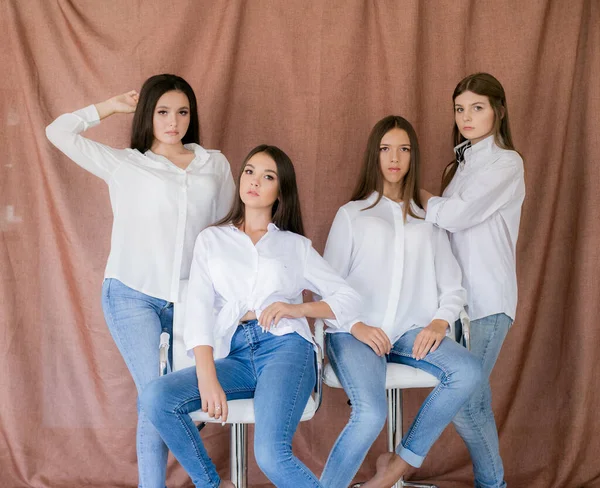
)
(482, 148)
(201, 154)
(270, 228)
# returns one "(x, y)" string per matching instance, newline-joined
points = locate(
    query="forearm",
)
(205, 363)
(317, 310)
(105, 108)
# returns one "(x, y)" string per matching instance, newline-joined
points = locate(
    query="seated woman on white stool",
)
(410, 283)
(251, 267)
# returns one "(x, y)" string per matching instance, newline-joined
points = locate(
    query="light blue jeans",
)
(277, 371)
(475, 421)
(135, 321)
(362, 374)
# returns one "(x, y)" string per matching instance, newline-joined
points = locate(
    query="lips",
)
(172, 133)
(394, 170)
(252, 193)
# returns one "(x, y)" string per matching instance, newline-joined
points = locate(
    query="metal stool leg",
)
(238, 458)
(394, 399)
(417, 485)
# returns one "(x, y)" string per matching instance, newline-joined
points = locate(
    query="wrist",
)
(105, 108)
(357, 327)
(441, 324)
(302, 309)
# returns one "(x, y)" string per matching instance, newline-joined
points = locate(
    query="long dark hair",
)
(485, 85)
(286, 213)
(142, 129)
(371, 178)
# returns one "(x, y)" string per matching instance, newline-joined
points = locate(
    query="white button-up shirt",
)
(404, 271)
(481, 208)
(158, 208)
(230, 276)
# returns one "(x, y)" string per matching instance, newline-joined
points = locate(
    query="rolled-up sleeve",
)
(489, 191)
(97, 158)
(199, 320)
(322, 279)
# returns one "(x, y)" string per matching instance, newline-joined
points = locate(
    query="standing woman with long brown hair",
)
(483, 191)
(164, 190)
(410, 283)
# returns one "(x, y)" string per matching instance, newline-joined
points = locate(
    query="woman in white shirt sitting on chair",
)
(245, 323)
(164, 190)
(410, 283)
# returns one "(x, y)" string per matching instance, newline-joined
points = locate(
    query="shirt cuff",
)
(434, 204)
(446, 315)
(89, 115)
(342, 321)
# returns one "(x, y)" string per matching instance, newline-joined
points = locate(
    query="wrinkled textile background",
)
(311, 77)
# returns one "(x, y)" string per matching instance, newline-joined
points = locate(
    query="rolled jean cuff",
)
(410, 457)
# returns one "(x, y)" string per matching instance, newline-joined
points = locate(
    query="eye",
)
(183, 112)
(458, 109)
(384, 148)
(269, 177)
(478, 108)
(406, 149)
(162, 112)
(248, 171)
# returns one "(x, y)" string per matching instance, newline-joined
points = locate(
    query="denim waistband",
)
(247, 323)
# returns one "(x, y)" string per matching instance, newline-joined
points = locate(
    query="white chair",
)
(241, 412)
(398, 377)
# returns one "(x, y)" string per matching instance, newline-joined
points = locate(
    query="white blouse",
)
(404, 271)
(158, 208)
(481, 208)
(230, 276)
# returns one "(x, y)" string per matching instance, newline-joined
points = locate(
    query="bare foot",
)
(226, 484)
(390, 467)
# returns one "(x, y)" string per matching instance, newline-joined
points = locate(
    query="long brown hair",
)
(486, 85)
(142, 130)
(286, 213)
(371, 178)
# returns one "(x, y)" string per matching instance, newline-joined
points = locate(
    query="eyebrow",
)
(266, 170)
(164, 106)
(402, 145)
(474, 103)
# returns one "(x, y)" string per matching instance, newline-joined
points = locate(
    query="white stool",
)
(241, 412)
(398, 377)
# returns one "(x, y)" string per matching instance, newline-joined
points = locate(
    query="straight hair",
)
(142, 129)
(371, 177)
(485, 85)
(286, 213)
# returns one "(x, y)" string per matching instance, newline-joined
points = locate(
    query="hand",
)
(373, 337)
(425, 196)
(271, 315)
(125, 103)
(429, 339)
(213, 398)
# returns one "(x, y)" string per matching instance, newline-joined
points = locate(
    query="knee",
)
(468, 374)
(271, 455)
(151, 399)
(369, 417)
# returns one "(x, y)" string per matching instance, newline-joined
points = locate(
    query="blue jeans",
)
(277, 371)
(362, 374)
(475, 421)
(135, 321)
